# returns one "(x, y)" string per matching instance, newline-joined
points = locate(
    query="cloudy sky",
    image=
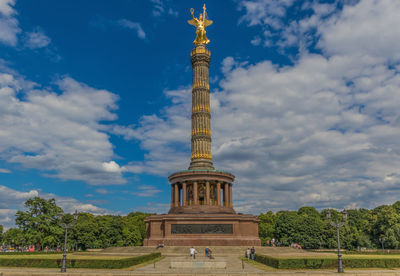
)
(95, 102)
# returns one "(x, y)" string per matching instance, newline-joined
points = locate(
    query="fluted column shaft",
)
(172, 195)
(218, 193)
(176, 194)
(207, 192)
(184, 194)
(201, 157)
(226, 194)
(230, 196)
(195, 194)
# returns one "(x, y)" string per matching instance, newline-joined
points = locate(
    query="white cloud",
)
(102, 191)
(37, 39)
(12, 201)
(146, 191)
(60, 134)
(4, 170)
(161, 135)
(351, 31)
(323, 131)
(6, 7)
(256, 41)
(153, 207)
(8, 23)
(161, 7)
(133, 26)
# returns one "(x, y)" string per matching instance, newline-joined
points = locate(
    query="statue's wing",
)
(192, 22)
(207, 22)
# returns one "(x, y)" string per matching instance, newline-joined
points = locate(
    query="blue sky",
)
(95, 102)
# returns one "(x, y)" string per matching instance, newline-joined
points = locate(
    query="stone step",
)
(184, 250)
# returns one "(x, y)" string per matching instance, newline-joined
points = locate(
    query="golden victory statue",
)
(200, 23)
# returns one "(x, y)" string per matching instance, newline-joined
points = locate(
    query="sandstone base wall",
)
(243, 230)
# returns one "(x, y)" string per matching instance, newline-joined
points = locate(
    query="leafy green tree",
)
(39, 223)
(386, 223)
(1, 233)
(308, 211)
(85, 233)
(134, 229)
(14, 237)
(309, 228)
(285, 227)
(266, 226)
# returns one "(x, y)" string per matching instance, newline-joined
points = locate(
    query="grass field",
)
(69, 256)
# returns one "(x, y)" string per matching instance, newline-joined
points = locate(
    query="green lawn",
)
(69, 256)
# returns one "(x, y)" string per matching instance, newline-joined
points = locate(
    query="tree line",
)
(375, 228)
(40, 226)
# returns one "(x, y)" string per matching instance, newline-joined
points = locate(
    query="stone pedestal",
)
(202, 230)
(203, 215)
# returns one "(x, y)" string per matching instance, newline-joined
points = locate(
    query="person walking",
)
(206, 252)
(248, 253)
(193, 252)
(253, 253)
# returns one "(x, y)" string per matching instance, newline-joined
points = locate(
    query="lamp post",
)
(66, 226)
(337, 224)
(382, 240)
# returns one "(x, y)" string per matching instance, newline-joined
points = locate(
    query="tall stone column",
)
(172, 195)
(226, 194)
(207, 192)
(176, 194)
(195, 194)
(219, 193)
(201, 158)
(184, 194)
(230, 196)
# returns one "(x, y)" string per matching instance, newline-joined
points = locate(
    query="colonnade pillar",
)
(176, 194)
(230, 196)
(184, 194)
(195, 195)
(219, 193)
(207, 193)
(172, 195)
(226, 194)
(182, 200)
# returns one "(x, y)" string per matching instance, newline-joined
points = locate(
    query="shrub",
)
(79, 263)
(30, 253)
(320, 263)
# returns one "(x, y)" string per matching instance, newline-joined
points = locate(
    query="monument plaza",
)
(201, 210)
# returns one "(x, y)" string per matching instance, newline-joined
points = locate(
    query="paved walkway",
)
(231, 255)
(91, 272)
(233, 265)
